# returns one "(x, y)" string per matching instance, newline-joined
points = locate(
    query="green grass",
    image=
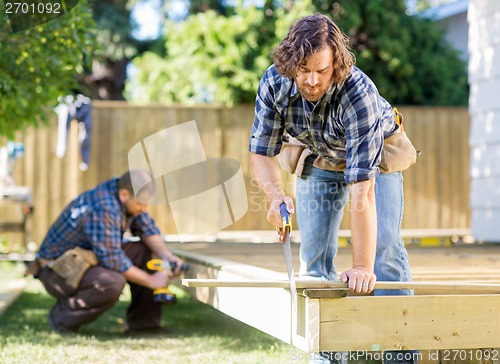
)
(200, 334)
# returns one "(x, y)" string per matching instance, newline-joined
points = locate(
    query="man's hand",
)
(143, 278)
(160, 279)
(274, 214)
(178, 263)
(360, 279)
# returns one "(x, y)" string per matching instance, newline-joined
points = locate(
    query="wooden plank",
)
(42, 180)
(73, 155)
(460, 176)
(431, 200)
(448, 148)
(316, 284)
(311, 328)
(456, 263)
(313, 314)
(406, 322)
(272, 305)
(270, 236)
(325, 293)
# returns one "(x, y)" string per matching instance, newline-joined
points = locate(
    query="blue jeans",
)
(320, 200)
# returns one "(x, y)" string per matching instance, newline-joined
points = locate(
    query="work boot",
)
(58, 327)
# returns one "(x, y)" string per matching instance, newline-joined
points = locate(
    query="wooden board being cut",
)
(461, 263)
(453, 307)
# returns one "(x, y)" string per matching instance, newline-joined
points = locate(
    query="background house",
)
(484, 109)
(452, 19)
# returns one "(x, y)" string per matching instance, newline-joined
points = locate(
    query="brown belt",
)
(43, 262)
(35, 266)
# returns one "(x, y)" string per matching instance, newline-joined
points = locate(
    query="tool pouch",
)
(398, 152)
(293, 155)
(73, 264)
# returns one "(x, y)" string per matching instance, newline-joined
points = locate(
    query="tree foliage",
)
(211, 57)
(114, 28)
(40, 64)
(406, 56)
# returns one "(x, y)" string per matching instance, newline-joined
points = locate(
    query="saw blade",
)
(291, 273)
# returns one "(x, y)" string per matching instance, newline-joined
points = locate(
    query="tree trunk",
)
(107, 80)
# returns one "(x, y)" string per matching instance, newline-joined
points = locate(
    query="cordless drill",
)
(164, 295)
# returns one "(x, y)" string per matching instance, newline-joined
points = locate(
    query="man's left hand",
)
(178, 263)
(359, 279)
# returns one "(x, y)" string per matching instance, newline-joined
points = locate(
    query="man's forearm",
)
(157, 245)
(363, 224)
(267, 175)
(138, 276)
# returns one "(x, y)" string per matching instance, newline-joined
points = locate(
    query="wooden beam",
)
(409, 322)
(325, 293)
(315, 284)
(269, 310)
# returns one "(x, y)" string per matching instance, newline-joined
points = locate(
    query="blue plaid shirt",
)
(348, 123)
(96, 220)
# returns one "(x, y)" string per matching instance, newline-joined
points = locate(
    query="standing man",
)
(96, 221)
(314, 92)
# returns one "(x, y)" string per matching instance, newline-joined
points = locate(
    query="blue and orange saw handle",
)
(287, 223)
(285, 215)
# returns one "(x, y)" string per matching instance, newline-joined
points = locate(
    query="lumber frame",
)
(434, 321)
(409, 322)
(446, 286)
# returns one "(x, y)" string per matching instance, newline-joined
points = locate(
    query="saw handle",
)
(285, 216)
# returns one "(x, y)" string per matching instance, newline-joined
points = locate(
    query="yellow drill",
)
(164, 295)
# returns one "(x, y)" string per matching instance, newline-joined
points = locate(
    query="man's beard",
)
(313, 97)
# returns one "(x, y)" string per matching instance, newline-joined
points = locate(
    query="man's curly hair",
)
(307, 36)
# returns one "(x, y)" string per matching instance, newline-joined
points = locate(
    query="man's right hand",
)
(274, 215)
(160, 279)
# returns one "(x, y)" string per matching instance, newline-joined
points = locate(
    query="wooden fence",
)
(436, 188)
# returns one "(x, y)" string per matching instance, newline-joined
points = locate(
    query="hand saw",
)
(285, 240)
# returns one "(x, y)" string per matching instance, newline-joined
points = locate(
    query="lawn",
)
(200, 334)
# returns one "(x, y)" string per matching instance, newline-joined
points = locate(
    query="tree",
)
(201, 6)
(214, 58)
(406, 56)
(39, 64)
(105, 80)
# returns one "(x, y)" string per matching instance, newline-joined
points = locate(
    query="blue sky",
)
(147, 16)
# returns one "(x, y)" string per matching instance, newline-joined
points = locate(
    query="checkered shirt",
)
(96, 220)
(348, 123)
